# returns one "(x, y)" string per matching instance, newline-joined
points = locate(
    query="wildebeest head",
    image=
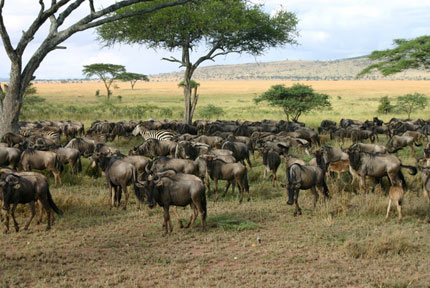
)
(354, 158)
(8, 185)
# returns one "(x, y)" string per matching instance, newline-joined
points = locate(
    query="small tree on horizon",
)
(385, 105)
(106, 72)
(132, 78)
(296, 100)
(411, 102)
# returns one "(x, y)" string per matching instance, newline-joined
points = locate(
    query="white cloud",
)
(329, 29)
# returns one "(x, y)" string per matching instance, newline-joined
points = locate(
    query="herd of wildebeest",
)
(176, 162)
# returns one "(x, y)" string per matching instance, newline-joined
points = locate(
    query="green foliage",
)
(193, 84)
(30, 90)
(408, 54)
(132, 78)
(105, 72)
(385, 105)
(211, 111)
(411, 102)
(295, 101)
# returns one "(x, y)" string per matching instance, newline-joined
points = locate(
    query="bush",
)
(385, 106)
(211, 111)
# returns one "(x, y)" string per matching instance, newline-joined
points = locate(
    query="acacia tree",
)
(408, 54)
(55, 14)
(132, 78)
(193, 86)
(411, 102)
(295, 100)
(221, 26)
(106, 72)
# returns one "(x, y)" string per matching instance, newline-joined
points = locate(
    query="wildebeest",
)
(9, 156)
(398, 142)
(41, 160)
(302, 178)
(169, 188)
(369, 148)
(396, 195)
(240, 151)
(425, 177)
(271, 162)
(12, 139)
(376, 165)
(23, 188)
(70, 156)
(220, 170)
(154, 148)
(85, 146)
(186, 166)
(119, 174)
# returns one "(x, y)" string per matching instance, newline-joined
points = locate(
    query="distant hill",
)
(344, 69)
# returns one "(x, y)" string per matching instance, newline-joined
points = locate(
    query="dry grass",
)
(344, 243)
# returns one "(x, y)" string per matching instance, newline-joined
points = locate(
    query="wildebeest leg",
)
(208, 184)
(73, 167)
(6, 221)
(126, 197)
(265, 172)
(297, 209)
(193, 215)
(33, 213)
(388, 208)
(216, 189)
(316, 196)
(412, 149)
(112, 195)
(241, 188)
(48, 213)
(167, 223)
(175, 210)
(248, 161)
(199, 208)
(13, 217)
(273, 178)
(363, 184)
(39, 219)
(118, 194)
(226, 188)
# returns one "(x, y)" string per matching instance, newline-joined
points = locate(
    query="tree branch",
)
(173, 59)
(92, 6)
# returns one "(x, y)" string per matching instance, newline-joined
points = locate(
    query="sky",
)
(329, 30)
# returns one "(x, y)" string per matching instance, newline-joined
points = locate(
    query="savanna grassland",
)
(345, 243)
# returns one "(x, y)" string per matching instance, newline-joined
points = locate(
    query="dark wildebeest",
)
(271, 162)
(376, 165)
(398, 142)
(23, 188)
(9, 156)
(154, 148)
(185, 166)
(302, 178)
(119, 174)
(240, 151)
(220, 170)
(85, 146)
(169, 188)
(41, 160)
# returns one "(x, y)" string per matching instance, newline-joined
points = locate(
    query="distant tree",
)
(132, 78)
(54, 22)
(408, 54)
(106, 72)
(220, 26)
(411, 102)
(194, 86)
(295, 101)
(385, 105)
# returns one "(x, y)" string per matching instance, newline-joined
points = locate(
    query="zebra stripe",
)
(160, 135)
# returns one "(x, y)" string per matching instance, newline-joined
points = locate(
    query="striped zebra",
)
(161, 135)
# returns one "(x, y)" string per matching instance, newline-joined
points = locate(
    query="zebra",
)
(161, 135)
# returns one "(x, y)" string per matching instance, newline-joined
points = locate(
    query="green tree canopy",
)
(106, 72)
(132, 78)
(220, 26)
(408, 54)
(385, 105)
(411, 102)
(295, 100)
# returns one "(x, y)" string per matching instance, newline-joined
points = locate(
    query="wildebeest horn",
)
(147, 167)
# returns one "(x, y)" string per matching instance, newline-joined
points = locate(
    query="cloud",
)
(329, 29)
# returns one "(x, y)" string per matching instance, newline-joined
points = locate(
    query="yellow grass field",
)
(350, 99)
(345, 242)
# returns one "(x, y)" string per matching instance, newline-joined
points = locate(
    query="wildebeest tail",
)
(204, 205)
(58, 164)
(52, 204)
(418, 144)
(136, 189)
(413, 169)
(245, 181)
(79, 163)
(402, 179)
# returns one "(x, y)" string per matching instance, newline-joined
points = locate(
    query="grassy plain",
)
(345, 243)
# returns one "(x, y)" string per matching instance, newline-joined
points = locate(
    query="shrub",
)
(211, 111)
(385, 106)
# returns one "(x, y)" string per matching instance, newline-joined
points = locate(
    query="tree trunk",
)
(188, 118)
(11, 104)
(193, 106)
